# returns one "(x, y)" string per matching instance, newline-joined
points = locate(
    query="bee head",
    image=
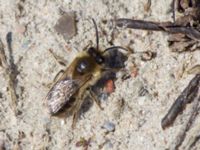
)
(96, 55)
(87, 63)
(93, 59)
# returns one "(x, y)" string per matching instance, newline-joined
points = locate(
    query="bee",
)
(69, 91)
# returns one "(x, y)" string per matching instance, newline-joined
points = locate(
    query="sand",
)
(137, 124)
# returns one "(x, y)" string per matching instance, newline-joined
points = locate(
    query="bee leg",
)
(58, 75)
(94, 98)
(76, 112)
(111, 69)
(77, 106)
(79, 103)
(59, 59)
(75, 118)
(49, 85)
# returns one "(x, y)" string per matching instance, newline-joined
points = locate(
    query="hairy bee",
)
(84, 71)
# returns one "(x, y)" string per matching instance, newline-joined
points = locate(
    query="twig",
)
(196, 107)
(156, 26)
(9, 76)
(174, 10)
(187, 96)
(196, 139)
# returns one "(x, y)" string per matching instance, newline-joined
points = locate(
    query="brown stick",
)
(195, 110)
(9, 76)
(187, 96)
(156, 26)
(174, 10)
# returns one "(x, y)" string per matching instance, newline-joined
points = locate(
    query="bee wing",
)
(61, 93)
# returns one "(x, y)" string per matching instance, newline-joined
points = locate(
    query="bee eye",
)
(82, 67)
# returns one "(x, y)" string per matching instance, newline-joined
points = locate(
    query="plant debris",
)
(159, 26)
(184, 31)
(83, 143)
(187, 96)
(195, 111)
(147, 6)
(194, 70)
(10, 72)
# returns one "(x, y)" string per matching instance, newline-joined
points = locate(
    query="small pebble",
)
(103, 96)
(62, 122)
(108, 145)
(66, 25)
(26, 43)
(21, 29)
(109, 126)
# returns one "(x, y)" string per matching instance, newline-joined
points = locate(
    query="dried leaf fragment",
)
(194, 70)
(147, 6)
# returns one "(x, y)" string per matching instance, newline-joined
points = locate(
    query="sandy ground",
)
(138, 123)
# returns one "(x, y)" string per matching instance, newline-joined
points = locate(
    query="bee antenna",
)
(115, 47)
(97, 35)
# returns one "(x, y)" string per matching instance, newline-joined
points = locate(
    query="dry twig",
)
(157, 26)
(9, 76)
(195, 110)
(188, 95)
